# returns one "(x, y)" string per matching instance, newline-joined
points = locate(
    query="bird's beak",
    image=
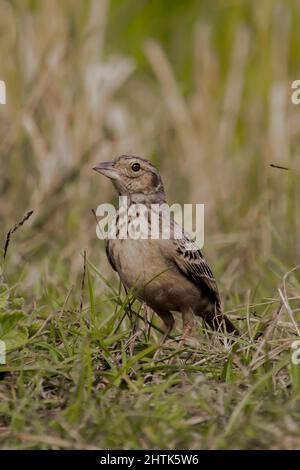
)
(107, 169)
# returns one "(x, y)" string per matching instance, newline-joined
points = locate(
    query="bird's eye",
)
(135, 167)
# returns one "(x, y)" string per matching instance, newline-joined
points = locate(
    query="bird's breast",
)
(138, 262)
(144, 268)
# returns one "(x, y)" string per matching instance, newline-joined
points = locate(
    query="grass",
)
(205, 92)
(79, 375)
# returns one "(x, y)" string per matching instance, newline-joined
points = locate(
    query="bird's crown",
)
(134, 177)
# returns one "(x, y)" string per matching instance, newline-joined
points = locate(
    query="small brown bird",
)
(169, 275)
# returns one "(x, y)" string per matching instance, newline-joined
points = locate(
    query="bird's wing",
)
(190, 261)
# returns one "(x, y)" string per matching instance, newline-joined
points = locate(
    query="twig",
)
(13, 230)
(83, 281)
(279, 166)
(94, 213)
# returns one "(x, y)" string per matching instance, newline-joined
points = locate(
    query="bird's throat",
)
(157, 197)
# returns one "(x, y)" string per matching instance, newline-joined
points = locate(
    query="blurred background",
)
(201, 88)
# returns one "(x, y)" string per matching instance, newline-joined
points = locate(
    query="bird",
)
(167, 274)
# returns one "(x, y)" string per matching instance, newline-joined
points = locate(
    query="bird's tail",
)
(220, 322)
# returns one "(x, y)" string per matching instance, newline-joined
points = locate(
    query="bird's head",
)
(134, 177)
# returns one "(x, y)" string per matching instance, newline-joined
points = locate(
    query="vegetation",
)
(203, 89)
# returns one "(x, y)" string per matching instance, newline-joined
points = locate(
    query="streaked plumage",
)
(168, 275)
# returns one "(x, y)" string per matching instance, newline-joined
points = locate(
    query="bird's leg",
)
(168, 320)
(187, 326)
